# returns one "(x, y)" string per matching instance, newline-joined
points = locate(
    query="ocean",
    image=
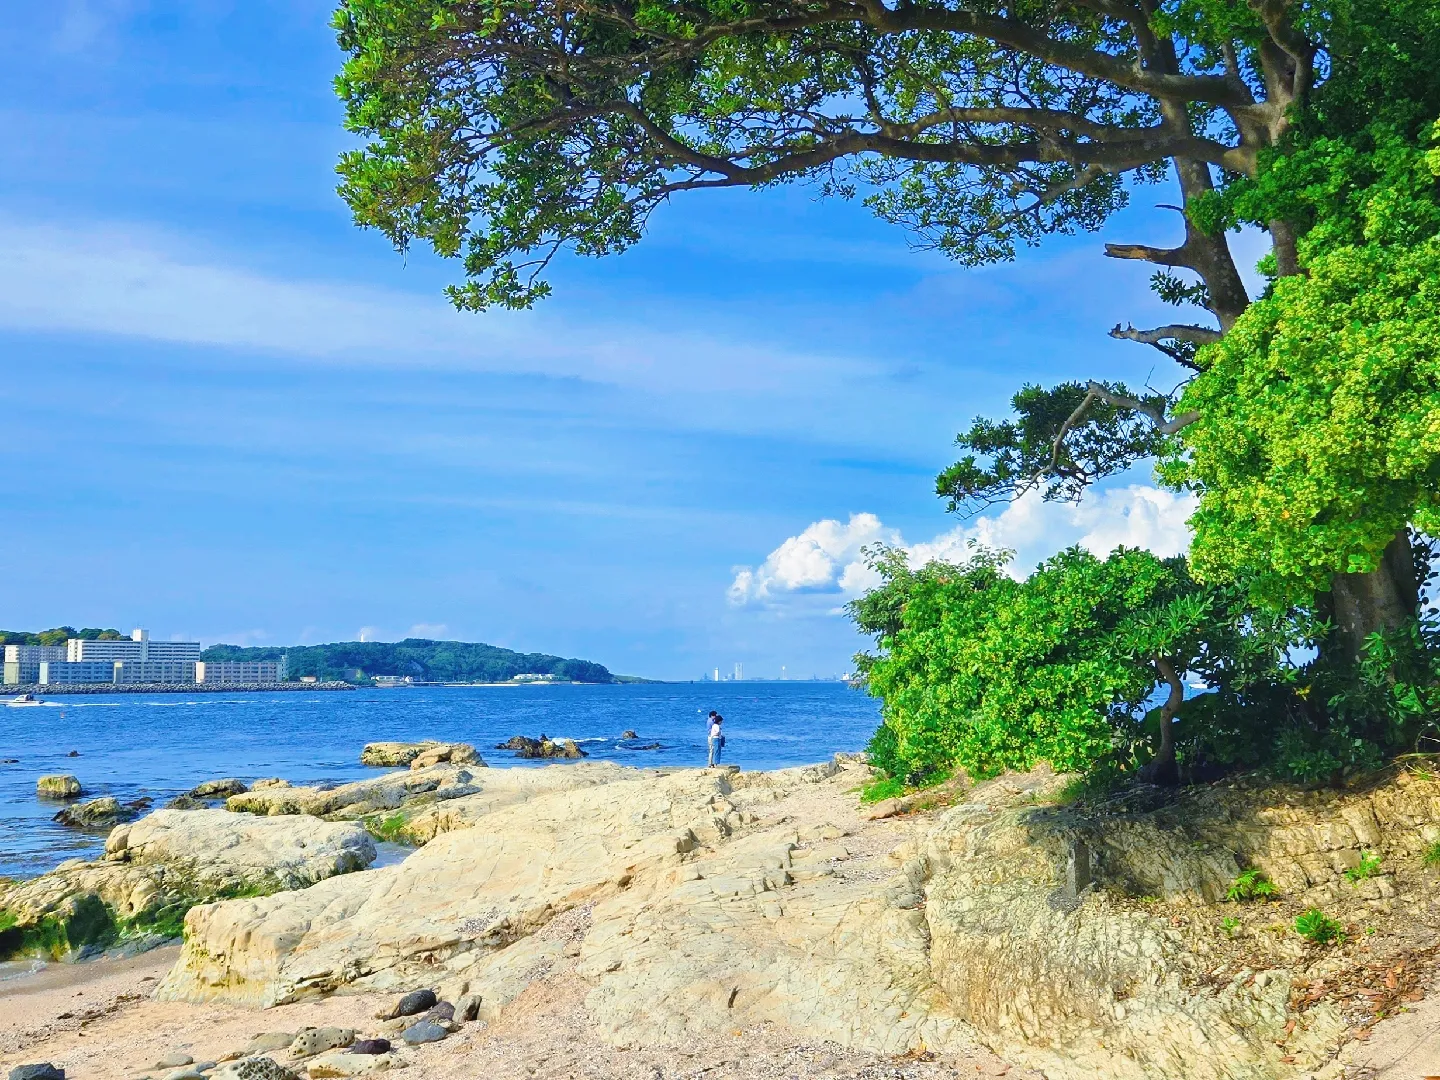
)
(160, 745)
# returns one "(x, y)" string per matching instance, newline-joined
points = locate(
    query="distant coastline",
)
(57, 689)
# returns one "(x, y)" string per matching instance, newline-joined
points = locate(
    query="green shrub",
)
(889, 787)
(1251, 885)
(390, 829)
(1230, 924)
(1369, 867)
(1432, 854)
(1317, 927)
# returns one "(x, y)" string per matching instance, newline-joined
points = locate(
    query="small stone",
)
(424, 1032)
(268, 1041)
(370, 1046)
(441, 1010)
(44, 1071)
(254, 1068)
(339, 1063)
(318, 1040)
(189, 1072)
(467, 1008)
(414, 1003)
(174, 1060)
(58, 786)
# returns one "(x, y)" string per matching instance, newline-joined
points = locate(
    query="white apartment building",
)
(155, 671)
(22, 662)
(139, 648)
(240, 672)
(53, 673)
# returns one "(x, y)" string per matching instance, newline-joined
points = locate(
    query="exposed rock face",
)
(164, 863)
(220, 851)
(418, 755)
(542, 747)
(362, 798)
(715, 901)
(59, 786)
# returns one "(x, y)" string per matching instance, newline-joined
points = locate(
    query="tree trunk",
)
(1383, 600)
(1161, 769)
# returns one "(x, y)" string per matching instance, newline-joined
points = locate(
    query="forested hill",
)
(432, 661)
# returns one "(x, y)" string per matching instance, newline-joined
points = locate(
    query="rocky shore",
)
(56, 689)
(624, 922)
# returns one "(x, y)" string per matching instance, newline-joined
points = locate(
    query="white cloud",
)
(368, 633)
(427, 630)
(827, 558)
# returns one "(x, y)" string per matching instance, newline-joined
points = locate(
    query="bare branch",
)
(1148, 409)
(1197, 335)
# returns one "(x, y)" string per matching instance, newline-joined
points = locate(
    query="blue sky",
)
(230, 414)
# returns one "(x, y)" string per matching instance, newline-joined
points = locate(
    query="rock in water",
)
(370, 1046)
(629, 735)
(44, 1071)
(254, 1068)
(59, 786)
(424, 1032)
(419, 755)
(186, 802)
(417, 1001)
(95, 813)
(219, 789)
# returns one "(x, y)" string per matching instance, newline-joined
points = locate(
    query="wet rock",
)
(318, 1040)
(96, 813)
(44, 1071)
(542, 747)
(629, 735)
(413, 1003)
(370, 1046)
(219, 789)
(186, 802)
(59, 786)
(645, 746)
(425, 1031)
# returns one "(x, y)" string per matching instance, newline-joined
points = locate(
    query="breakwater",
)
(53, 689)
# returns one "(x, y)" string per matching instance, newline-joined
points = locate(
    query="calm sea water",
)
(161, 745)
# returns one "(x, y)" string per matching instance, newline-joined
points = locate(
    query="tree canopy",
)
(420, 658)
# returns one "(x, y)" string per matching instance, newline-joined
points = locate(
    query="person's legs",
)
(714, 752)
(719, 748)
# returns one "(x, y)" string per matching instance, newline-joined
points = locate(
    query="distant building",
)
(533, 677)
(138, 649)
(22, 662)
(155, 671)
(309, 678)
(240, 672)
(62, 672)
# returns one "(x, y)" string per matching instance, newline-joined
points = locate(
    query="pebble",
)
(43, 1071)
(417, 1001)
(441, 1010)
(370, 1046)
(192, 1072)
(467, 1008)
(174, 1060)
(424, 1032)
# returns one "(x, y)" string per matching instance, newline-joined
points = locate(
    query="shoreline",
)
(92, 689)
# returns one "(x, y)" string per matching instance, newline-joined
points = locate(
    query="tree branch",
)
(1197, 335)
(1148, 409)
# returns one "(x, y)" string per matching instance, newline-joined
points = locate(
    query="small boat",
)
(24, 700)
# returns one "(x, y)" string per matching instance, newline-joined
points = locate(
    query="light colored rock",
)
(710, 906)
(174, 1060)
(220, 851)
(269, 782)
(377, 794)
(268, 1042)
(58, 786)
(454, 753)
(393, 754)
(318, 1040)
(95, 813)
(342, 1063)
(253, 1068)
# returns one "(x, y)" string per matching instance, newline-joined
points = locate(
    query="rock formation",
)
(418, 755)
(59, 786)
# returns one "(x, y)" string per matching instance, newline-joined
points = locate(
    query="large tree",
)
(503, 131)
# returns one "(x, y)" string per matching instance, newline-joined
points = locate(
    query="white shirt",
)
(714, 730)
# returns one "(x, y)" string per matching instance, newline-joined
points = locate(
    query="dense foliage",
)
(982, 671)
(58, 636)
(420, 658)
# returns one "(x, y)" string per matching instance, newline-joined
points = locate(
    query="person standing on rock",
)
(717, 738)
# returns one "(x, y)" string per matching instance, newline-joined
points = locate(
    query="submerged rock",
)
(102, 812)
(59, 786)
(542, 747)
